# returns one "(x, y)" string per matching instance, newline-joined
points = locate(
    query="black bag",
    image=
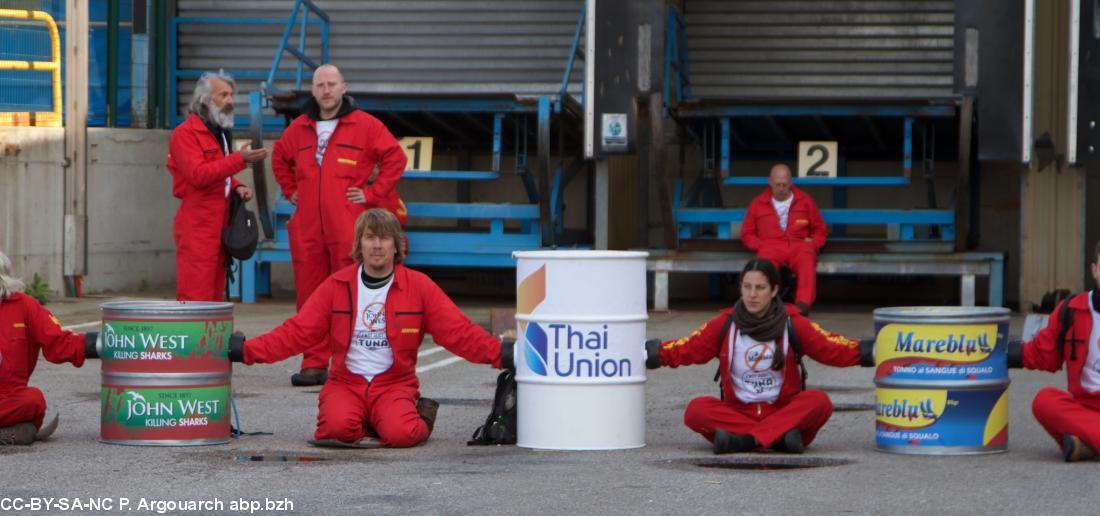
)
(500, 426)
(240, 238)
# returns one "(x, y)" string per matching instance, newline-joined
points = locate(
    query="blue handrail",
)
(300, 52)
(569, 65)
(676, 65)
(322, 20)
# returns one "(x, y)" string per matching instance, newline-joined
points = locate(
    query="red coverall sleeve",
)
(825, 346)
(391, 163)
(187, 152)
(698, 348)
(58, 345)
(748, 229)
(1044, 351)
(817, 227)
(309, 325)
(282, 166)
(454, 331)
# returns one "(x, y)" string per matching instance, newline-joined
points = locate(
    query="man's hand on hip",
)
(356, 195)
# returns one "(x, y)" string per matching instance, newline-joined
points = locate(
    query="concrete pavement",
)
(445, 476)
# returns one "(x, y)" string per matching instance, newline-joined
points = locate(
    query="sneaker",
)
(21, 434)
(1073, 449)
(47, 429)
(792, 442)
(427, 408)
(309, 376)
(726, 442)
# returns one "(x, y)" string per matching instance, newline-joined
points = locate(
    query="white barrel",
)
(580, 349)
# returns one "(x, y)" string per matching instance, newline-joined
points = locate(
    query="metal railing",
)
(44, 118)
(268, 78)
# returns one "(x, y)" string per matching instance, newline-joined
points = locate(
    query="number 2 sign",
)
(817, 159)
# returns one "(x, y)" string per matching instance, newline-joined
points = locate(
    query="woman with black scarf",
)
(764, 403)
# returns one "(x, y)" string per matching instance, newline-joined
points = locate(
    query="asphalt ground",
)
(445, 476)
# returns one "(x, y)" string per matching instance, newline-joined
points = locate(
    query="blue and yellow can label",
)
(964, 418)
(934, 353)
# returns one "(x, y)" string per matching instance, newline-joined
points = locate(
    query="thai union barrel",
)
(166, 373)
(941, 380)
(580, 353)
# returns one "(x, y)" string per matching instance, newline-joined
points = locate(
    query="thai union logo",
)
(531, 293)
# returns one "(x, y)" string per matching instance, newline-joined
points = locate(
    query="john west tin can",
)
(941, 378)
(166, 337)
(164, 411)
(166, 373)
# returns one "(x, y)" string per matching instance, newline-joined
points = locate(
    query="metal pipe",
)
(112, 62)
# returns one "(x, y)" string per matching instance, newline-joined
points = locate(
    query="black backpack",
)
(500, 426)
(1065, 322)
(243, 233)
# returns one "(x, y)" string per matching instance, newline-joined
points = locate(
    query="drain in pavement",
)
(278, 458)
(765, 462)
(852, 407)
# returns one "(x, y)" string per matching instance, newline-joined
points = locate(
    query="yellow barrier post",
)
(40, 119)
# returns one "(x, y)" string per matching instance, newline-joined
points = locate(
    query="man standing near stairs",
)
(323, 164)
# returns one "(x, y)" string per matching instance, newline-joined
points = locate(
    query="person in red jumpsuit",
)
(784, 225)
(764, 404)
(323, 164)
(25, 329)
(1071, 418)
(374, 315)
(203, 163)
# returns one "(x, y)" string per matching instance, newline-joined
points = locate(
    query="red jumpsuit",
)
(1076, 412)
(761, 233)
(323, 225)
(794, 408)
(348, 404)
(199, 170)
(25, 328)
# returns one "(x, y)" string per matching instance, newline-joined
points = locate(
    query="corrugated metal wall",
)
(424, 46)
(820, 48)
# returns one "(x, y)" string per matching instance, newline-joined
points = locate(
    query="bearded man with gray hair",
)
(203, 163)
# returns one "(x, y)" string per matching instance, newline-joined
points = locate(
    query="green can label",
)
(173, 413)
(175, 346)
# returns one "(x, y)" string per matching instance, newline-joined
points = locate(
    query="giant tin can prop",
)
(941, 379)
(166, 373)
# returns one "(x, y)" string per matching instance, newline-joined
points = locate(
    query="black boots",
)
(24, 433)
(17, 434)
(309, 376)
(726, 442)
(791, 443)
(427, 409)
(1073, 449)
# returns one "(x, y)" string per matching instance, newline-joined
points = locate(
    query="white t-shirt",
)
(783, 208)
(370, 353)
(754, 381)
(225, 152)
(325, 128)
(1090, 374)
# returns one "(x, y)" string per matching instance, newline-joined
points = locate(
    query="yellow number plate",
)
(418, 150)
